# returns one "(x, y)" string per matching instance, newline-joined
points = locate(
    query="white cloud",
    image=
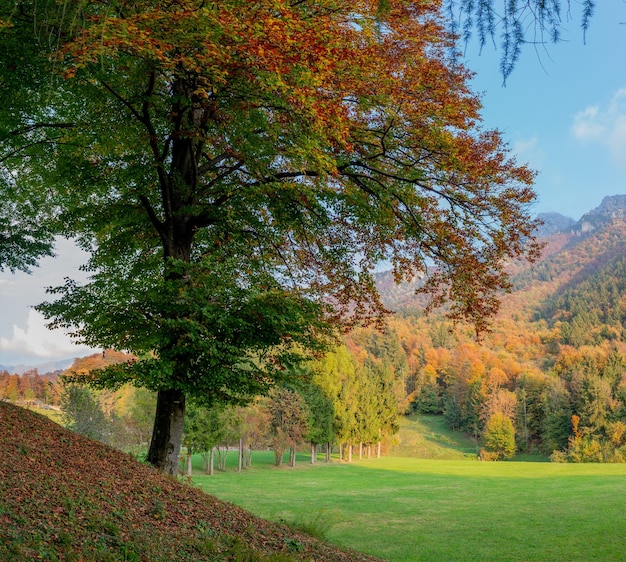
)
(36, 342)
(524, 147)
(528, 151)
(605, 125)
(23, 335)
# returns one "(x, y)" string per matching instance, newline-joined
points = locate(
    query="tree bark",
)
(313, 453)
(292, 456)
(168, 431)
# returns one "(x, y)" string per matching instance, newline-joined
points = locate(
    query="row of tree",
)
(519, 390)
(334, 403)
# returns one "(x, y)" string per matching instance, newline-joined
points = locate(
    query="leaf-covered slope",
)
(65, 497)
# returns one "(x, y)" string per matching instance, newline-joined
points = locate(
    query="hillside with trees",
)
(553, 364)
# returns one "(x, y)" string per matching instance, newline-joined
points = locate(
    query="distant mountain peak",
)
(42, 368)
(553, 223)
(612, 207)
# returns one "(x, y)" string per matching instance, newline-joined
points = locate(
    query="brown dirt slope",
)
(65, 497)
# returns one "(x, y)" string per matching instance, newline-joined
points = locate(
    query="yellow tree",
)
(499, 436)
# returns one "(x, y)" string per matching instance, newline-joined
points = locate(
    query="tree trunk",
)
(240, 460)
(222, 453)
(189, 467)
(278, 455)
(378, 450)
(349, 447)
(168, 431)
(292, 456)
(313, 453)
(329, 451)
(361, 450)
(211, 461)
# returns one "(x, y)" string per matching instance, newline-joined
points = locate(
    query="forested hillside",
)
(551, 373)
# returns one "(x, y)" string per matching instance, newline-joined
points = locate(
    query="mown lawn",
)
(408, 509)
(412, 509)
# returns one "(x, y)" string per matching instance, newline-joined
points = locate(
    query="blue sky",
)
(563, 111)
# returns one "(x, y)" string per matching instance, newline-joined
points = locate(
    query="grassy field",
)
(408, 509)
(53, 414)
(428, 437)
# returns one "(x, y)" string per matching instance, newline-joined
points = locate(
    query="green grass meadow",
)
(412, 509)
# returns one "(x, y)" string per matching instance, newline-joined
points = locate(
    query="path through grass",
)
(405, 509)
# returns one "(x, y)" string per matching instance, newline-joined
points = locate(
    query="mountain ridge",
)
(42, 368)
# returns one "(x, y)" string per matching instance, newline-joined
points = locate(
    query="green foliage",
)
(428, 401)
(140, 415)
(82, 412)
(364, 396)
(204, 428)
(288, 417)
(321, 429)
(452, 413)
(25, 230)
(232, 345)
(27, 210)
(499, 436)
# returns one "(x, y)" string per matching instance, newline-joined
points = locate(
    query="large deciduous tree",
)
(238, 169)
